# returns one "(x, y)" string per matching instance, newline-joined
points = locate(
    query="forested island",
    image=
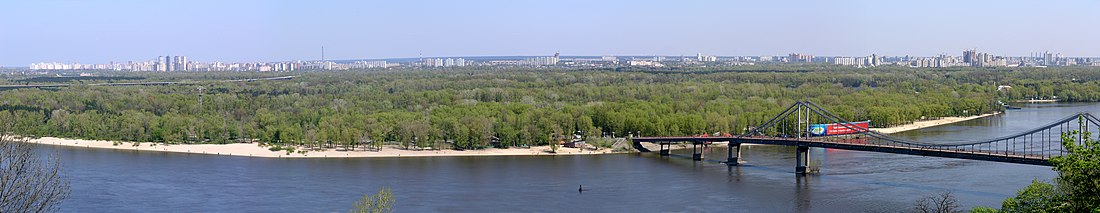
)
(470, 108)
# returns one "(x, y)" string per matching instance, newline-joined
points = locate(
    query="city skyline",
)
(284, 31)
(970, 57)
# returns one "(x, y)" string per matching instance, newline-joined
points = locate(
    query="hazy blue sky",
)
(238, 31)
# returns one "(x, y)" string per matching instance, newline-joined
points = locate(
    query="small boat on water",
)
(1012, 107)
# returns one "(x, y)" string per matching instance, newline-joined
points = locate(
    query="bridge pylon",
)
(733, 153)
(802, 155)
(697, 151)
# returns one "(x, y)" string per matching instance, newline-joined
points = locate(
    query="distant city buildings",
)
(704, 58)
(172, 63)
(867, 61)
(846, 61)
(1047, 58)
(450, 62)
(645, 63)
(942, 60)
(441, 62)
(970, 57)
(541, 61)
(979, 59)
(602, 61)
(800, 58)
(380, 64)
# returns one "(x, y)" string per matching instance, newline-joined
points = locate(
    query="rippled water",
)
(129, 181)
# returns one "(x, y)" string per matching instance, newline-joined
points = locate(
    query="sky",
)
(91, 31)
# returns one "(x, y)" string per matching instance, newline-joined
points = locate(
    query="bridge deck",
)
(909, 150)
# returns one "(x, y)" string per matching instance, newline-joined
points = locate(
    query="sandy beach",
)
(928, 123)
(254, 150)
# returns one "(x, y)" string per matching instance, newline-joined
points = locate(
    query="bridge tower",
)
(798, 124)
(201, 89)
(802, 153)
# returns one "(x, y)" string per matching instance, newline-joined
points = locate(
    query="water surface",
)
(130, 181)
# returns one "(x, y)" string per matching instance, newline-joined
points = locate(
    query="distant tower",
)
(322, 53)
(200, 97)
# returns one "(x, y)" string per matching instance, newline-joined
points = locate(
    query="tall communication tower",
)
(201, 89)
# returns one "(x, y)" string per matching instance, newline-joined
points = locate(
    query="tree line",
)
(471, 108)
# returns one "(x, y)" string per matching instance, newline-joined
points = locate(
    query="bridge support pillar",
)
(665, 147)
(696, 152)
(803, 158)
(733, 153)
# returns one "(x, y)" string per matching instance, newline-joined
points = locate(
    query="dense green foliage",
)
(469, 108)
(983, 209)
(1077, 187)
(1079, 172)
(1037, 197)
(381, 202)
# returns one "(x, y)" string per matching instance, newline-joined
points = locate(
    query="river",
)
(130, 181)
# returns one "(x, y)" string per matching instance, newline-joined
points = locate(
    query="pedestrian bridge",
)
(791, 128)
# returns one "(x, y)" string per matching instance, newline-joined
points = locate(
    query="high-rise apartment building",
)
(705, 58)
(800, 58)
(970, 56)
(162, 64)
(171, 63)
(179, 63)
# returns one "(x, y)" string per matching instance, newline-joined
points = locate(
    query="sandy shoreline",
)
(254, 150)
(929, 123)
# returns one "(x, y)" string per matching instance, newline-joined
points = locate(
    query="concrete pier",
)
(733, 153)
(697, 151)
(665, 149)
(802, 155)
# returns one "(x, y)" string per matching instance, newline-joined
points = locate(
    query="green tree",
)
(1037, 197)
(982, 209)
(1079, 171)
(381, 202)
(1076, 187)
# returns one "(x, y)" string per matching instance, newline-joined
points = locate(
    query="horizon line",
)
(490, 56)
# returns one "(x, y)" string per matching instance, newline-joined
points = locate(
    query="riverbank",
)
(929, 123)
(254, 150)
(1037, 101)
